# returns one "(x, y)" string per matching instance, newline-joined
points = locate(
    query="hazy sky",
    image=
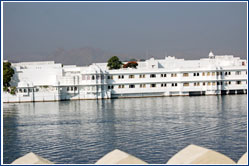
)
(185, 30)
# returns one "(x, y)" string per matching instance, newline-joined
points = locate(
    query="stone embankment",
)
(191, 154)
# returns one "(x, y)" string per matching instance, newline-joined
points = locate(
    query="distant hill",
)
(77, 56)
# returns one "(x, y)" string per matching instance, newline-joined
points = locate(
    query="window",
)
(142, 76)
(209, 83)
(208, 73)
(174, 84)
(163, 75)
(203, 83)
(152, 85)
(186, 84)
(131, 76)
(238, 73)
(152, 76)
(110, 87)
(218, 73)
(213, 73)
(185, 74)
(132, 86)
(173, 75)
(196, 84)
(142, 85)
(163, 85)
(238, 82)
(120, 76)
(110, 77)
(83, 77)
(120, 86)
(93, 78)
(67, 88)
(203, 74)
(213, 83)
(75, 88)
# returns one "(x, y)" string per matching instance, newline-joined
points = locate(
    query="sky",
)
(140, 30)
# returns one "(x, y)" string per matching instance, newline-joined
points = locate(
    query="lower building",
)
(50, 81)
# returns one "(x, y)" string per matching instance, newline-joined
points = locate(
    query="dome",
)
(211, 55)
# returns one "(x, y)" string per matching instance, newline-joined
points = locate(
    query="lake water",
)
(153, 129)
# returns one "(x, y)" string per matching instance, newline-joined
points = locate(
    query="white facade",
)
(48, 81)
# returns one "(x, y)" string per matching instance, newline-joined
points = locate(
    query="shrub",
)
(114, 63)
(5, 88)
(8, 72)
(13, 90)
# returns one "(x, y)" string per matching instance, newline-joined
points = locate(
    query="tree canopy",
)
(8, 72)
(114, 63)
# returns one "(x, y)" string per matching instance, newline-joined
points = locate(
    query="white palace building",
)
(50, 81)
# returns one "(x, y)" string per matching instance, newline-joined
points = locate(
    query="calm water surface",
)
(153, 129)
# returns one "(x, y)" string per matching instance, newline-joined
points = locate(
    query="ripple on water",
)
(153, 129)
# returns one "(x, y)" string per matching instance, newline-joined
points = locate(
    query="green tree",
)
(13, 90)
(5, 88)
(8, 72)
(114, 63)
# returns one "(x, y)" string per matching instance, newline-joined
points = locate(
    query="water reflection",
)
(153, 129)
